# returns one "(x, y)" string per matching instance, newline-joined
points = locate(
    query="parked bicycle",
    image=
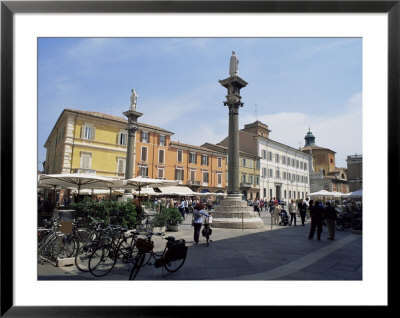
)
(172, 258)
(346, 220)
(52, 243)
(114, 243)
(85, 242)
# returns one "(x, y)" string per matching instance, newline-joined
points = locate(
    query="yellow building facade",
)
(93, 142)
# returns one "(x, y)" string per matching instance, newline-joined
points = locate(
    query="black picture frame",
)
(8, 8)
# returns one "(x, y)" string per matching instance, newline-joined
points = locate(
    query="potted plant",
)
(173, 218)
(158, 222)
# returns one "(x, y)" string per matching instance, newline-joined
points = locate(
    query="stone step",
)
(236, 223)
(238, 215)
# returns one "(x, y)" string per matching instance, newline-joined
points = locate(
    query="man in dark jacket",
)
(302, 210)
(317, 217)
(330, 217)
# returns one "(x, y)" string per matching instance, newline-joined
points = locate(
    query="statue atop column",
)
(134, 97)
(233, 65)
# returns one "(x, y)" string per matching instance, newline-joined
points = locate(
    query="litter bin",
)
(67, 216)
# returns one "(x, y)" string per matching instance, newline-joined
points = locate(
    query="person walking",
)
(209, 204)
(317, 217)
(181, 208)
(185, 207)
(330, 218)
(197, 220)
(275, 213)
(256, 205)
(271, 205)
(302, 207)
(293, 211)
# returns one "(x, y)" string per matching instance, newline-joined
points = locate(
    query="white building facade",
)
(284, 171)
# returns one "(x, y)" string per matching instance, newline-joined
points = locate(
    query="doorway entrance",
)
(278, 192)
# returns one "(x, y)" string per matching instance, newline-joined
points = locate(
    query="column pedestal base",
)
(233, 213)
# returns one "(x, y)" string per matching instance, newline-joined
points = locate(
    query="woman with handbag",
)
(197, 220)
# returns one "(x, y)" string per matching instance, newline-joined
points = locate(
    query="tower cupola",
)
(309, 138)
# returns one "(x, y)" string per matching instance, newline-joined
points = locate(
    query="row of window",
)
(275, 157)
(180, 173)
(89, 132)
(285, 175)
(192, 157)
(292, 194)
(86, 162)
(249, 179)
(250, 163)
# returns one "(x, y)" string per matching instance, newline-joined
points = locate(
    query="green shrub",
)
(159, 220)
(119, 213)
(173, 216)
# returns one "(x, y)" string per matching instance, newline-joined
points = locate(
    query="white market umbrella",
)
(322, 193)
(355, 194)
(147, 191)
(97, 191)
(140, 182)
(337, 194)
(78, 180)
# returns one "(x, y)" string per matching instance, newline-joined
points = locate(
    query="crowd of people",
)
(321, 213)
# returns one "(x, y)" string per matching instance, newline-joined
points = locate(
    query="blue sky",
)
(294, 84)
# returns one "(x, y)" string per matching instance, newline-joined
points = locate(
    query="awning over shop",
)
(176, 190)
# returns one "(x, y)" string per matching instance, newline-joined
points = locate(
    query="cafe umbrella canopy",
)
(138, 183)
(77, 180)
(354, 194)
(322, 193)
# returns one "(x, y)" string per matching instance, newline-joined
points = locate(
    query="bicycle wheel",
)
(62, 247)
(137, 264)
(127, 251)
(102, 260)
(173, 266)
(83, 253)
(46, 250)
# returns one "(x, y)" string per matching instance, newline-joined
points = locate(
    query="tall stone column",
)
(132, 127)
(130, 153)
(232, 211)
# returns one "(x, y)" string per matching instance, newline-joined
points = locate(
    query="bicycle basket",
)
(177, 250)
(144, 246)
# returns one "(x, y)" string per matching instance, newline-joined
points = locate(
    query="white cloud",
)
(341, 133)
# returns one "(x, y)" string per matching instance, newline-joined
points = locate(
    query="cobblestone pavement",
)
(277, 253)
